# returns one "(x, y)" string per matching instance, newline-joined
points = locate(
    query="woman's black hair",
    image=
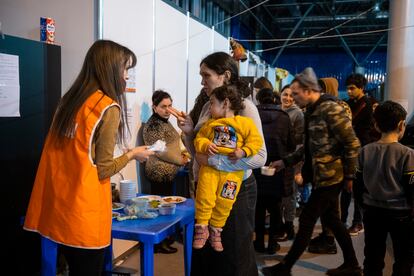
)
(284, 87)
(220, 62)
(160, 95)
(229, 92)
(265, 96)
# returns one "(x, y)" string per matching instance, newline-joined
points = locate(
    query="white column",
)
(399, 85)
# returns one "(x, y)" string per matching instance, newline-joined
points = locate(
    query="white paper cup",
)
(265, 170)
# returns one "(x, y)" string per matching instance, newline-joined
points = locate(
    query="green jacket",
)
(330, 146)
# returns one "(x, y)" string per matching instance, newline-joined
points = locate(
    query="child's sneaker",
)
(215, 238)
(200, 236)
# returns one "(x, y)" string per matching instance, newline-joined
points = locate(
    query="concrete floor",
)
(309, 264)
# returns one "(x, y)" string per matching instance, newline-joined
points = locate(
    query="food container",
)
(167, 209)
(136, 206)
(266, 170)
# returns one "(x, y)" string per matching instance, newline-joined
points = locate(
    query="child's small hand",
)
(212, 149)
(298, 179)
(237, 154)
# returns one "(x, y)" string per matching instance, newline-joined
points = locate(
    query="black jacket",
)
(279, 140)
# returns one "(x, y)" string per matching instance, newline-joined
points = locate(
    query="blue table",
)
(152, 231)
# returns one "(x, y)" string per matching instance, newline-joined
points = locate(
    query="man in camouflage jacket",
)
(330, 152)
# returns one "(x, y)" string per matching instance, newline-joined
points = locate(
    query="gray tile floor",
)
(308, 265)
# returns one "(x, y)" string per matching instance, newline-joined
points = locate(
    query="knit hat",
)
(308, 79)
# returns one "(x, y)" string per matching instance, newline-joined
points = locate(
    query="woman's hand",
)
(278, 165)
(202, 159)
(185, 123)
(140, 153)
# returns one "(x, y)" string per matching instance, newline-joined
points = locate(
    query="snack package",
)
(159, 146)
(47, 30)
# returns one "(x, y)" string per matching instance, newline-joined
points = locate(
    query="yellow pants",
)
(216, 193)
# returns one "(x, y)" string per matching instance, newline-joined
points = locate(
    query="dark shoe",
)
(281, 236)
(345, 270)
(277, 270)
(355, 229)
(290, 230)
(273, 246)
(322, 245)
(259, 246)
(164, 248)
(170, 240)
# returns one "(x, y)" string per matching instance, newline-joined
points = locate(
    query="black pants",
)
(84, 262)
(345, 202)
(238, 257)
(323, 201)
(378, 223)
(271, 204)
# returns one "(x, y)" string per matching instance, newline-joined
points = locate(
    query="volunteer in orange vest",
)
(71, 200)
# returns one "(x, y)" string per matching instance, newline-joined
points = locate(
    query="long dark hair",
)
(220, 62)
(102, 69)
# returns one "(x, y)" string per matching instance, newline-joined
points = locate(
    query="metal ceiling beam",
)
(257, 19)
(374, 48)
(346, 47)
(307, 46)
(291, 34)
(310, 3)
(376, 26)
(383, 15)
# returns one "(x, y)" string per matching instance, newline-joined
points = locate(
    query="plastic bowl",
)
(265, 170)
(167, 209)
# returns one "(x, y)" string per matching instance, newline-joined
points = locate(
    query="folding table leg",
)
(49, 257)
(108, 260)
(147, 258)
(188, 247)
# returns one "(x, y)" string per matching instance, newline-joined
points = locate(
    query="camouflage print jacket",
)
(330, 146)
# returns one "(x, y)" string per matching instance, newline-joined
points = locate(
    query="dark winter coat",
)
(279, 140)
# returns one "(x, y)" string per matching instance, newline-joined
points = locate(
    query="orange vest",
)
(69, 204)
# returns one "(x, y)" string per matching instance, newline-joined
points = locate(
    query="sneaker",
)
(259, 246)
(281, 236)
(290, 230)
(279, 269)
(215, 238)
(322, 245)
(345, 270)
(355, 229)
(200, 236)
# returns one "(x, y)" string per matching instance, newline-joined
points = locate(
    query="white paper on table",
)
(9, 86)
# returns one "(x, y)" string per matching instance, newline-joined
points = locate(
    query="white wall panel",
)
(171, 62)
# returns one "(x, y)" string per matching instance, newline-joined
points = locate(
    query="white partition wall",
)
(134, 24)
(170, 55)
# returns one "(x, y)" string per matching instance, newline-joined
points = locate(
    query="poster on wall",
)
(9, 86)
(131, 83)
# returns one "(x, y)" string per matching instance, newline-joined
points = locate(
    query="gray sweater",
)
(385, 176)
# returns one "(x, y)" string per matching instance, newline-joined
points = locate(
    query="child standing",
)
(385, 181)
(232, 135)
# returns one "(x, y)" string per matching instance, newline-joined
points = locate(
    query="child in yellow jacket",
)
(229, 134)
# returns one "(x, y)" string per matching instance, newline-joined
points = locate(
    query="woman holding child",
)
(238, 257)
